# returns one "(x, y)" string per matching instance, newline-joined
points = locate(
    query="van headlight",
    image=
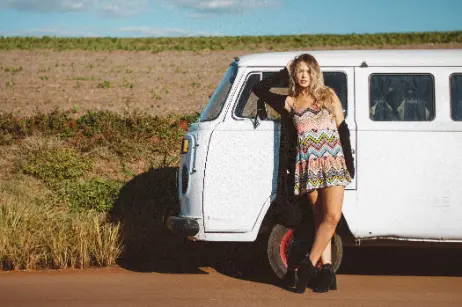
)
(185, 146)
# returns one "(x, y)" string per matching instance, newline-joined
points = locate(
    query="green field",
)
(282, 42)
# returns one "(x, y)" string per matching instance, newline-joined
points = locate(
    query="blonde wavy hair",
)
(322, 94)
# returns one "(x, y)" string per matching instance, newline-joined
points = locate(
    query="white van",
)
(404, 111)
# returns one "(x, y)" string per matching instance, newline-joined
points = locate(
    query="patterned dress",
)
(320, 161)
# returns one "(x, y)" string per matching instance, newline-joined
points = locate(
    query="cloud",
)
(64, 31)
(113, 8)
(220, 6)
(123, 8)
(163, 32)
(54, 31)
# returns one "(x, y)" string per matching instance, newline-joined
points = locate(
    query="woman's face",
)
(302, 75)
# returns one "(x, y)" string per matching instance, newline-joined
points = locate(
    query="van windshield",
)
(217, 101)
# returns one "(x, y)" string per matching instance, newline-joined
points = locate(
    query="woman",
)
(321, 171)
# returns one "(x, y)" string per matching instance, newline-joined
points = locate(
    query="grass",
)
(127, 84)
(282, 42)
(82, 78)
(9, 83)
(35, 234)
(13, 69)
(104, 84)
(55, 206)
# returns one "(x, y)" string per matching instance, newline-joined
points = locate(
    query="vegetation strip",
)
(282, 42)
(56, 209)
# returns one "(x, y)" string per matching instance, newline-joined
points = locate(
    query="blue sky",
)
(135, 18)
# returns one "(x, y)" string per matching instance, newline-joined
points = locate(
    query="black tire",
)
(276, 261)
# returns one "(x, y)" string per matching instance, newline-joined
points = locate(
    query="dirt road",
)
(368, 277)
(118, 287)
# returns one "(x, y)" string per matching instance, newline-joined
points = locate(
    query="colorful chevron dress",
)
(320, 162)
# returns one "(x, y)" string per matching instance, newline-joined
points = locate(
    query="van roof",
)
(327, 58)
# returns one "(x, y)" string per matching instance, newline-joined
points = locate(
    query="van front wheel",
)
(281, 239)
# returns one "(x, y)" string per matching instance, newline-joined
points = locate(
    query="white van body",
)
(408, 172)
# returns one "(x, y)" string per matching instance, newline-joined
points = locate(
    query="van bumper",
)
(182, 225)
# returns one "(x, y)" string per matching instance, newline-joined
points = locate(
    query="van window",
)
(247, 104)
(402, 97)
(338, 82)
(217, 101)
(456, 96)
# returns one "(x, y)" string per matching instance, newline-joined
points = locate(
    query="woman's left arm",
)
(344, 133)
(337, 109)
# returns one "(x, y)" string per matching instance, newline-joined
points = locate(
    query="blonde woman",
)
(321, 171)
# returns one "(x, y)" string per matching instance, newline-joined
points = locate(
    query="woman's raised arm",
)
(262, 91)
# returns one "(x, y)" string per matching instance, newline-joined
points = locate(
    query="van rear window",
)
(402, 97)
(456, 96)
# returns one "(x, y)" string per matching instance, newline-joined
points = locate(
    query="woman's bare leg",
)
(332, 199)
(326, 256)
(315, 199)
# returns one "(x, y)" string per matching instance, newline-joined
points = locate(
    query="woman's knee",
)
(332, 217)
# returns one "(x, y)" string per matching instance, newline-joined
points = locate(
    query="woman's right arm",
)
(276, 101)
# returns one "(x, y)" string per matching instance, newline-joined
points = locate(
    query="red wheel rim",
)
(285, 243)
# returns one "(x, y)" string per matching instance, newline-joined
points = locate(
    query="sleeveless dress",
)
(320, 162)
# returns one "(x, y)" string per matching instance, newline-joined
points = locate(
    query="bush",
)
(55, 165)
(57, 123)
(92, 195)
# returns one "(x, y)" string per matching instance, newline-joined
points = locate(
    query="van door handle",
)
(194, 153)
(353, 151)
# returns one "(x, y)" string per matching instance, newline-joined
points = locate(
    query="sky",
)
(173, 18)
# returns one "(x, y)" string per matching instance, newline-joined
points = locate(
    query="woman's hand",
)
(289, 65)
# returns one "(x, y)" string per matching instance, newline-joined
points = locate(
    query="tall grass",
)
(282, 42)
(35, 233)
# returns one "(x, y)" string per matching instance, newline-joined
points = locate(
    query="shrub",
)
(92, 195)
(55, 165)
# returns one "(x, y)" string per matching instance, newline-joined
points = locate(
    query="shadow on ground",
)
(412, 260)
(149, 247)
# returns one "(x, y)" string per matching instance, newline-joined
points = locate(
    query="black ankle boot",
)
(306, 273)
(290, 278)
(327, 279)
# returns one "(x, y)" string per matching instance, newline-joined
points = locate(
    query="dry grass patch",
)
(37, 232)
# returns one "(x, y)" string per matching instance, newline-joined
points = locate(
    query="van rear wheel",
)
(281, 239)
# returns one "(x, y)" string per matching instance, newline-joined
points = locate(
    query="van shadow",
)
(411, 260)
(149, 247)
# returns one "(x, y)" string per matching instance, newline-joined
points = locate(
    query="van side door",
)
(242, 164)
